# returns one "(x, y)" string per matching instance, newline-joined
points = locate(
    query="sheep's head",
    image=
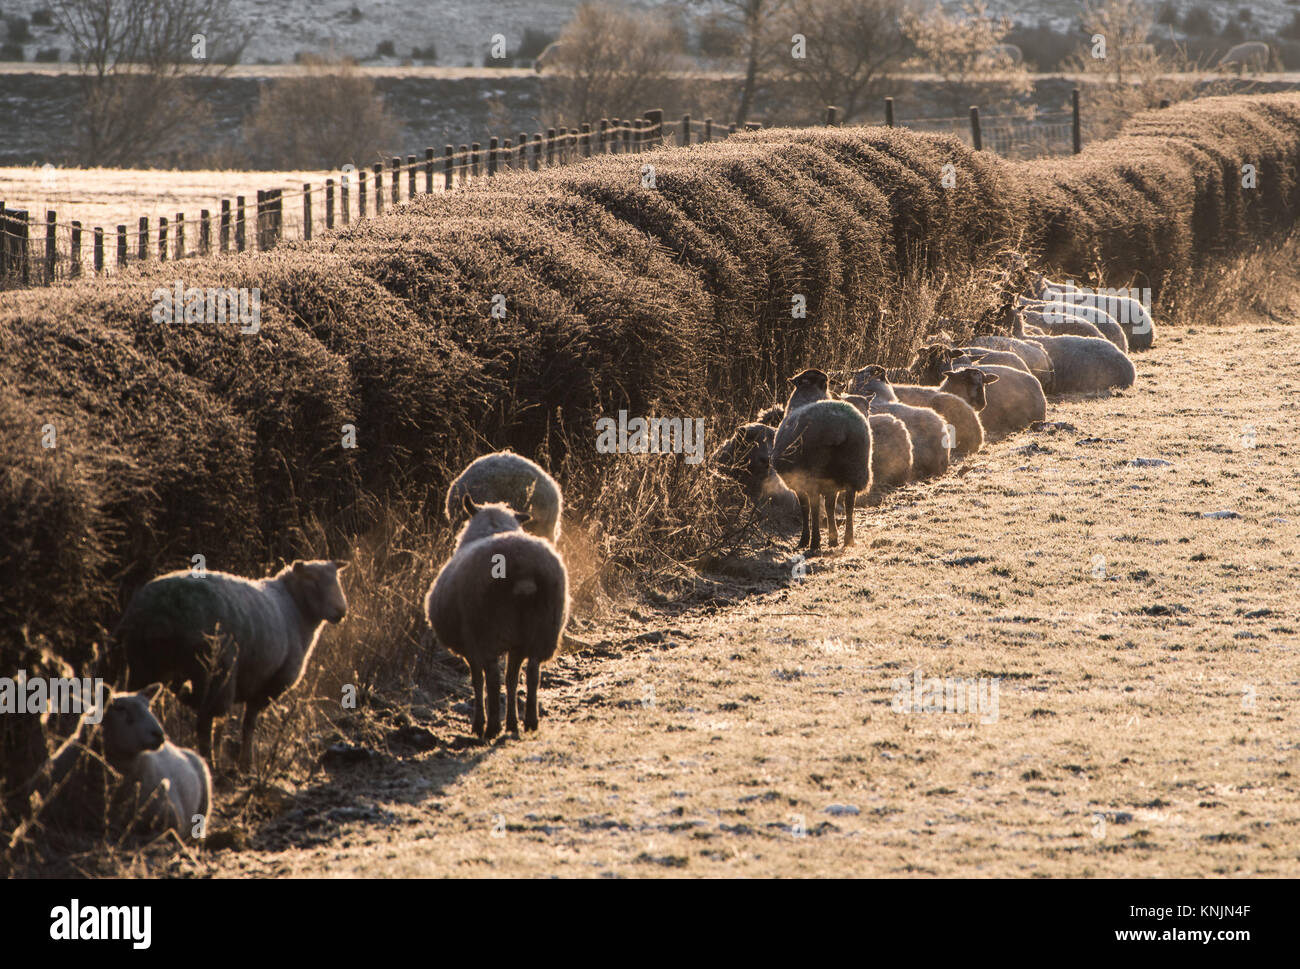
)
(871, 379)
(809, 386)
(747, 457)
(968, 384)
(130, 728)
(930, 362)
(317, 590)
(489, 518)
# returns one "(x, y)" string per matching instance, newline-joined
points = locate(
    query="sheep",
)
(992, 358)
(822, 447)
(233, 639)
(1034, 356)
(746, 456)
(1013, 404)
(136, 747)
(502, 591)
(1253, 54)
(926, 431)
(1129, 313)
(968, 434)
(1083, 364)
(891, 452)
(513, 479)
(1062, 316)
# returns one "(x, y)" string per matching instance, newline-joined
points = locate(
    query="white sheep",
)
(992, 358)
(1083, 364)
(502, 591)
(233, 639)
(926, 431)
(1129, 313)
(163, 785)
(968, 434)
(1062, 316)
(1034, 356)
(513, 479)
(1013, 402)
(822, 448)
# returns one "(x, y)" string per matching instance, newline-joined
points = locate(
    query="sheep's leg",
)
(534, 676)
(513, 662)
(828, 499)
(803, 513)
(493, 699)
(815, 520)
(251, 709)
(476, 674)
(850, 496)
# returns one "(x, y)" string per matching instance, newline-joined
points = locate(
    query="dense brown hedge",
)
(674, 300)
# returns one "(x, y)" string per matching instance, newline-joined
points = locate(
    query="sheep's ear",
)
(150, 692)
(950, 373)
(467, 503)
(339, 564)
(523, 517)
(990, 378)
(299, 566)
(954, 353)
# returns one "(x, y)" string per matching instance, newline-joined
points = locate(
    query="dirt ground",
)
(1138, 622)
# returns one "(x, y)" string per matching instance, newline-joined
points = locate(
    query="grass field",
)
(1146, 714)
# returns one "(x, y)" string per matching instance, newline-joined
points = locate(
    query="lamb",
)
(746, 456)
(968, 434)
(1083, 364)
(926, 431)
(233, 639)
(822, 447)
(891, 451)
(502, 591)
(167, 786)
(518, 482)
(1063, 316)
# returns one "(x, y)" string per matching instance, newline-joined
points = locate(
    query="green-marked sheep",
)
(502, 591)
(891, 452)
(234, 640)
(822, 448)
(514, 480)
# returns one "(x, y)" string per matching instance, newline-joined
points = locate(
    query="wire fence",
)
(35, 252)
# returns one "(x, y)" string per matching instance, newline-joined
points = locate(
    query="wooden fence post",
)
(1074, 117)
(361, 193)
(474, 159)
(276, 197)
(448, 167)
(329, 203)
(143, 242)
(241, 229)
(205, 232)
(522, 145)
(686, 129)
(708, 130)
(13, 244)
(492, 157)
(602, 136)
(585, 141)
(223, 231)
(345, 206)
(259, 224)
(378, 170)
(75, 251)
(410, 177)
(306, 211)
(975, 138)
(121, 246)
(51, 244)
(832, 115)
(889, 112)
(731, 129)
(428, 171)
(180, 235)
(628, 147)
(462, 163)
(655, 126)
(162, 238)
(537, 151)
(550, 147)
(507, 154)
(562, 146)
(396, 165)
(99, 251)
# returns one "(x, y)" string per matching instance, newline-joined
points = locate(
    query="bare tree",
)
(850, 47)
(133, 57)
(761, 44)
(959, 47)
(608, 61)
(328, 116)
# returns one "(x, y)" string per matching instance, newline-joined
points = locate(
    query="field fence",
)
(36, 252)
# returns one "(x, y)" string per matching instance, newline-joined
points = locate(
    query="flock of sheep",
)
(217, 639)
